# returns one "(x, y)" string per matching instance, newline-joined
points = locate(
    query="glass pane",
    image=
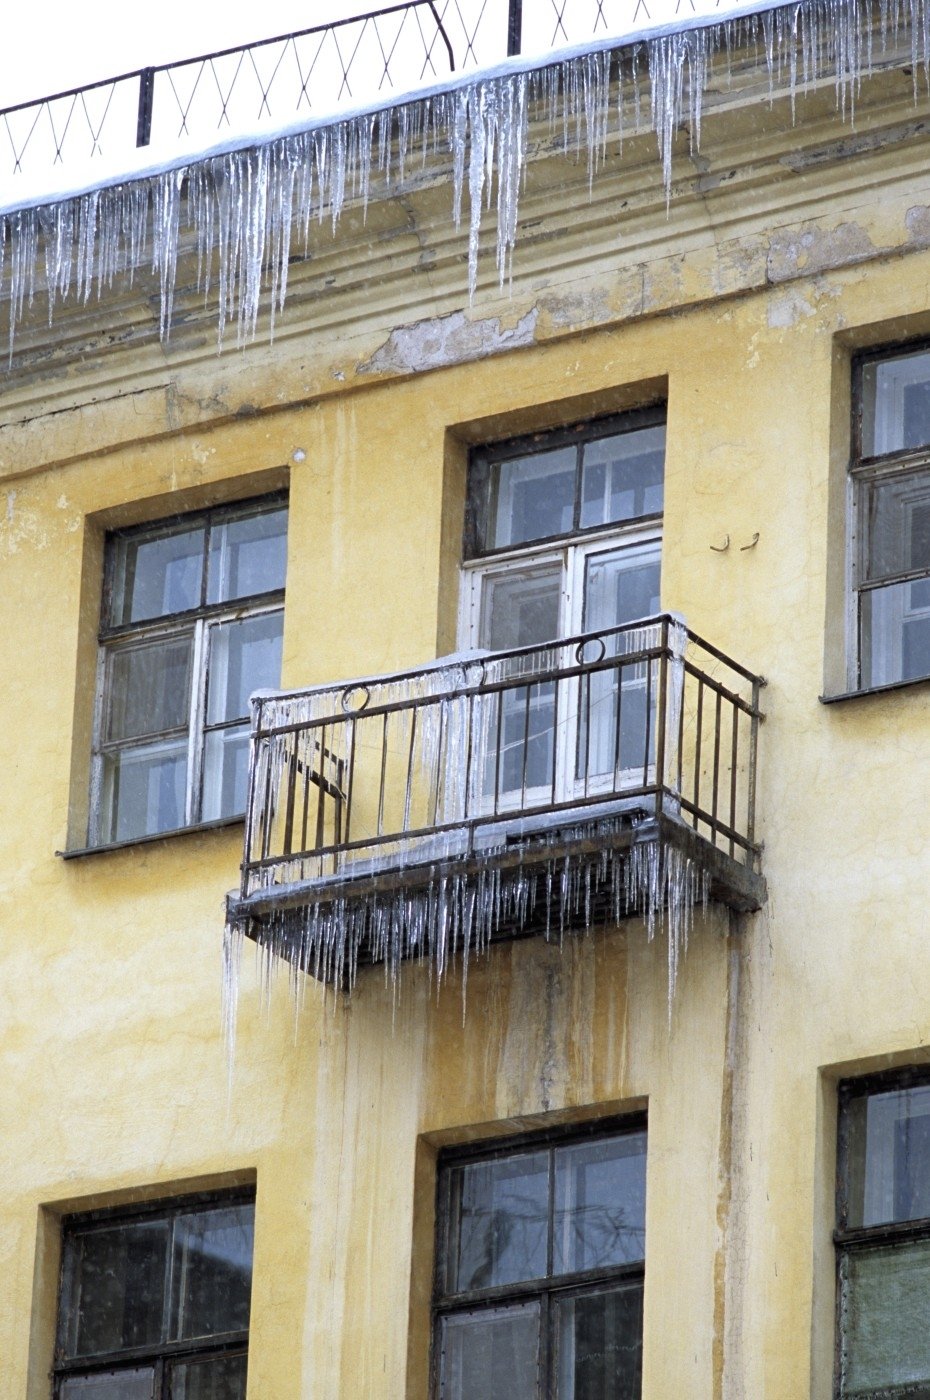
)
(622, 476)
(894, 626)
(530, 498)
(113, 1294)
(149, 687)
(136, 1384)
(491, 1355)
(225, 773)
(600, 1203)
(888, 1138)
(898, 525)
(244, 656)
(616, 724)
(885, 1338)
(156, 575)
(212, 1272)
(221, 1378)
(896, 403)
(621, 586)
(248, 554)
(500, 1221)
(599, 1339)
(520, 608)
(144, 790)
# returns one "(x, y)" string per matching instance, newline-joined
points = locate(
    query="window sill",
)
(873, 690)
(222, 824)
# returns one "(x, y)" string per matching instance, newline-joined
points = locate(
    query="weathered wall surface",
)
(746, 306)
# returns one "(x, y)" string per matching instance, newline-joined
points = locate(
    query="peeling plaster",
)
(448, 340)
(811, 249)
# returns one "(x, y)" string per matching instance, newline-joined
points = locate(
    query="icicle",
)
(244, 209)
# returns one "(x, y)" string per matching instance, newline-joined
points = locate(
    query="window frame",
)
(548, 1290)
(156, 1354)
(863, 473)
(862, 1239)
(116, 638)
(482, 458)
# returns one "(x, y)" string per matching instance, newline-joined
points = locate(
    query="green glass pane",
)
(885, 1321)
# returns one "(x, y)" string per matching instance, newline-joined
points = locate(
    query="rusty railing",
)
(481, 751)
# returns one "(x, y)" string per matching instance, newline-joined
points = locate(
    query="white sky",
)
(50, 46)
(58, 44)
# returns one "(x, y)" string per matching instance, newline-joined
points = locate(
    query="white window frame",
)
(571, 552)
(201, 621)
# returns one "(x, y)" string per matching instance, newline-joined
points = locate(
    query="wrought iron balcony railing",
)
(493, 794)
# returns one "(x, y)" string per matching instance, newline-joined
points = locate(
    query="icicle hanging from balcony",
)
(457, 915)
(245, 211)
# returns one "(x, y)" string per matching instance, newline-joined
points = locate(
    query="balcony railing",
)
(491, 765)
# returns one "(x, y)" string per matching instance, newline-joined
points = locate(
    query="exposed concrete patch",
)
(810, 249)
(448, 340)
(589, 307)
(786, 309)
(917, 223)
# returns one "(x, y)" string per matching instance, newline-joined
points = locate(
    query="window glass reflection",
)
(889, 1157)
(502, 1210)
(600, 1203)
(211, 1272)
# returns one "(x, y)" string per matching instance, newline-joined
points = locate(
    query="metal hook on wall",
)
(722, 548)
(752, 543)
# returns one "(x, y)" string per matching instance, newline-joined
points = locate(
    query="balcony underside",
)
(552, 881)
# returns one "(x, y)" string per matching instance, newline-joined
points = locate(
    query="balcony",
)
(493, 796)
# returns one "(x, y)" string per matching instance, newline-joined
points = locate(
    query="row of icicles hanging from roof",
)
(242, 210)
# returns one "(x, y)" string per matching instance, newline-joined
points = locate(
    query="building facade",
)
(610, 1154)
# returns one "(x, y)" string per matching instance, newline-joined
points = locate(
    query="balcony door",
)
(553, 740)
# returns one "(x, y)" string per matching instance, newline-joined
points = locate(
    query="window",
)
(890, 478)
(155, 1304)
(883, 1238)
(539, 1283)
(563, 537)
(191, 625)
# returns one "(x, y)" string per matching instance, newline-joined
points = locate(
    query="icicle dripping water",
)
(241, 210)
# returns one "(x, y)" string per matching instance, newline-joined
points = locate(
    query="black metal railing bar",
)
(536, 734)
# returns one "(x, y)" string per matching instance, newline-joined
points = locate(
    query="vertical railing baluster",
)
(146, 100)
(646, 726)
(288, 842)
(381, 783)
(661, 714)
(352, 723)
(249, 834)
(408, 795)
(526, 741)
(498, 755)
(515, 28)
(469, 749)
(716, 787)
(320, 810)
(699, 734)
(586, 687)
(734, 756)
(751, 796)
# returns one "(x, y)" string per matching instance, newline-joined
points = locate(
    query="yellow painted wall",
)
(113, 1075)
